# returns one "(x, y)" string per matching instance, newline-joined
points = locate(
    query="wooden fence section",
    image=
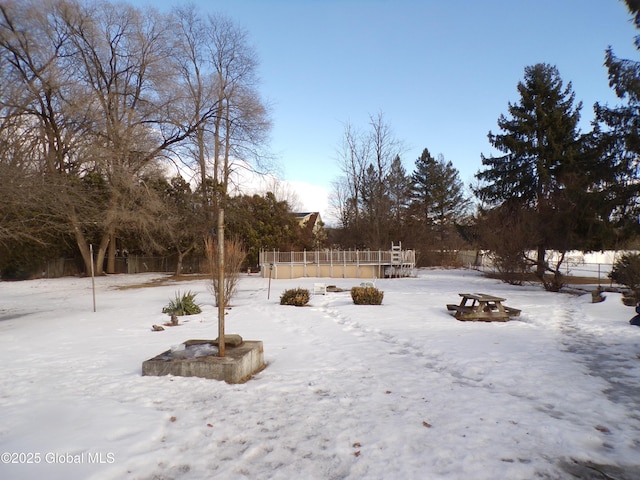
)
(338, 263)
(132, 264)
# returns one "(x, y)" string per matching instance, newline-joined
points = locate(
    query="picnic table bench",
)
(482, 307)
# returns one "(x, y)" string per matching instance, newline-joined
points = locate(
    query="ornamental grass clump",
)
(183, 305)
(298, 297)
(366, 296)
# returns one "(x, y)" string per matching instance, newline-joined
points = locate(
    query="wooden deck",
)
(329, 263)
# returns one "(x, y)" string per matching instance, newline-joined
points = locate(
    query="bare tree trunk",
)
(111, 258)
(179, 264)
(202, 165)
(181, 255)
(541, 263)
(221, 296)
(102, 251)
(83, 245)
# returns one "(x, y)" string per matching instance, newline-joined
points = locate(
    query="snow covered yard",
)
(398, 391)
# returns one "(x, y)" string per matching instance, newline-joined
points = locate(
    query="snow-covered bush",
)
(366, 296)
(295, 296)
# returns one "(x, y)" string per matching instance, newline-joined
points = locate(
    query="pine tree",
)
(399, 188)
(617, 134)
(423, 186)
(540, 140)
(262, 222)
(437, 190)
(437, 198)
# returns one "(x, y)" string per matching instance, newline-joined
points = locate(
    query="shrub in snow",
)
(295, 296)
(183, 305)
(234, 257)
(366, 296)
(626, 271)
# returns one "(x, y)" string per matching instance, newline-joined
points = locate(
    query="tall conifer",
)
(437, 197)
(539, 140)
(617, 134)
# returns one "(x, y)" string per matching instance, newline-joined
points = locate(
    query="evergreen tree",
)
(617, 134)
(399, 189)
(375, 208)
(262, 222)
(423, 184)
(541, 146)
(182, 225)
(438, 195)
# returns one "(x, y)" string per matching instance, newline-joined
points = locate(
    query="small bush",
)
(183, 305)
(234, 256)
(366, 296)
(298, 297)
(512, 267)
(626, 271)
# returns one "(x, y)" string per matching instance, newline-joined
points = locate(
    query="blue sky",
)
(440, 71)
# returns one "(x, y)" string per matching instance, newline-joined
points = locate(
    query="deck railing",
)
(329, 257)
(359, 262)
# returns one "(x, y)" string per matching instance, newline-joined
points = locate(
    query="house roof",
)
(304, 214)
(312, 218)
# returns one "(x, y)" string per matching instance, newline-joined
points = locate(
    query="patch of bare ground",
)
(167, 280)
(568, 279)
(585, 281)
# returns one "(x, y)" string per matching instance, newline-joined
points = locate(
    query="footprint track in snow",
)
(400, 346)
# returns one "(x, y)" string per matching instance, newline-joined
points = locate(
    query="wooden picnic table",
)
(482, 307)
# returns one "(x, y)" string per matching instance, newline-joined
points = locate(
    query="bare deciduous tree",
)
(100, 94)
(98, 83)
(366, 160)
(221, 74)
(219, 68)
